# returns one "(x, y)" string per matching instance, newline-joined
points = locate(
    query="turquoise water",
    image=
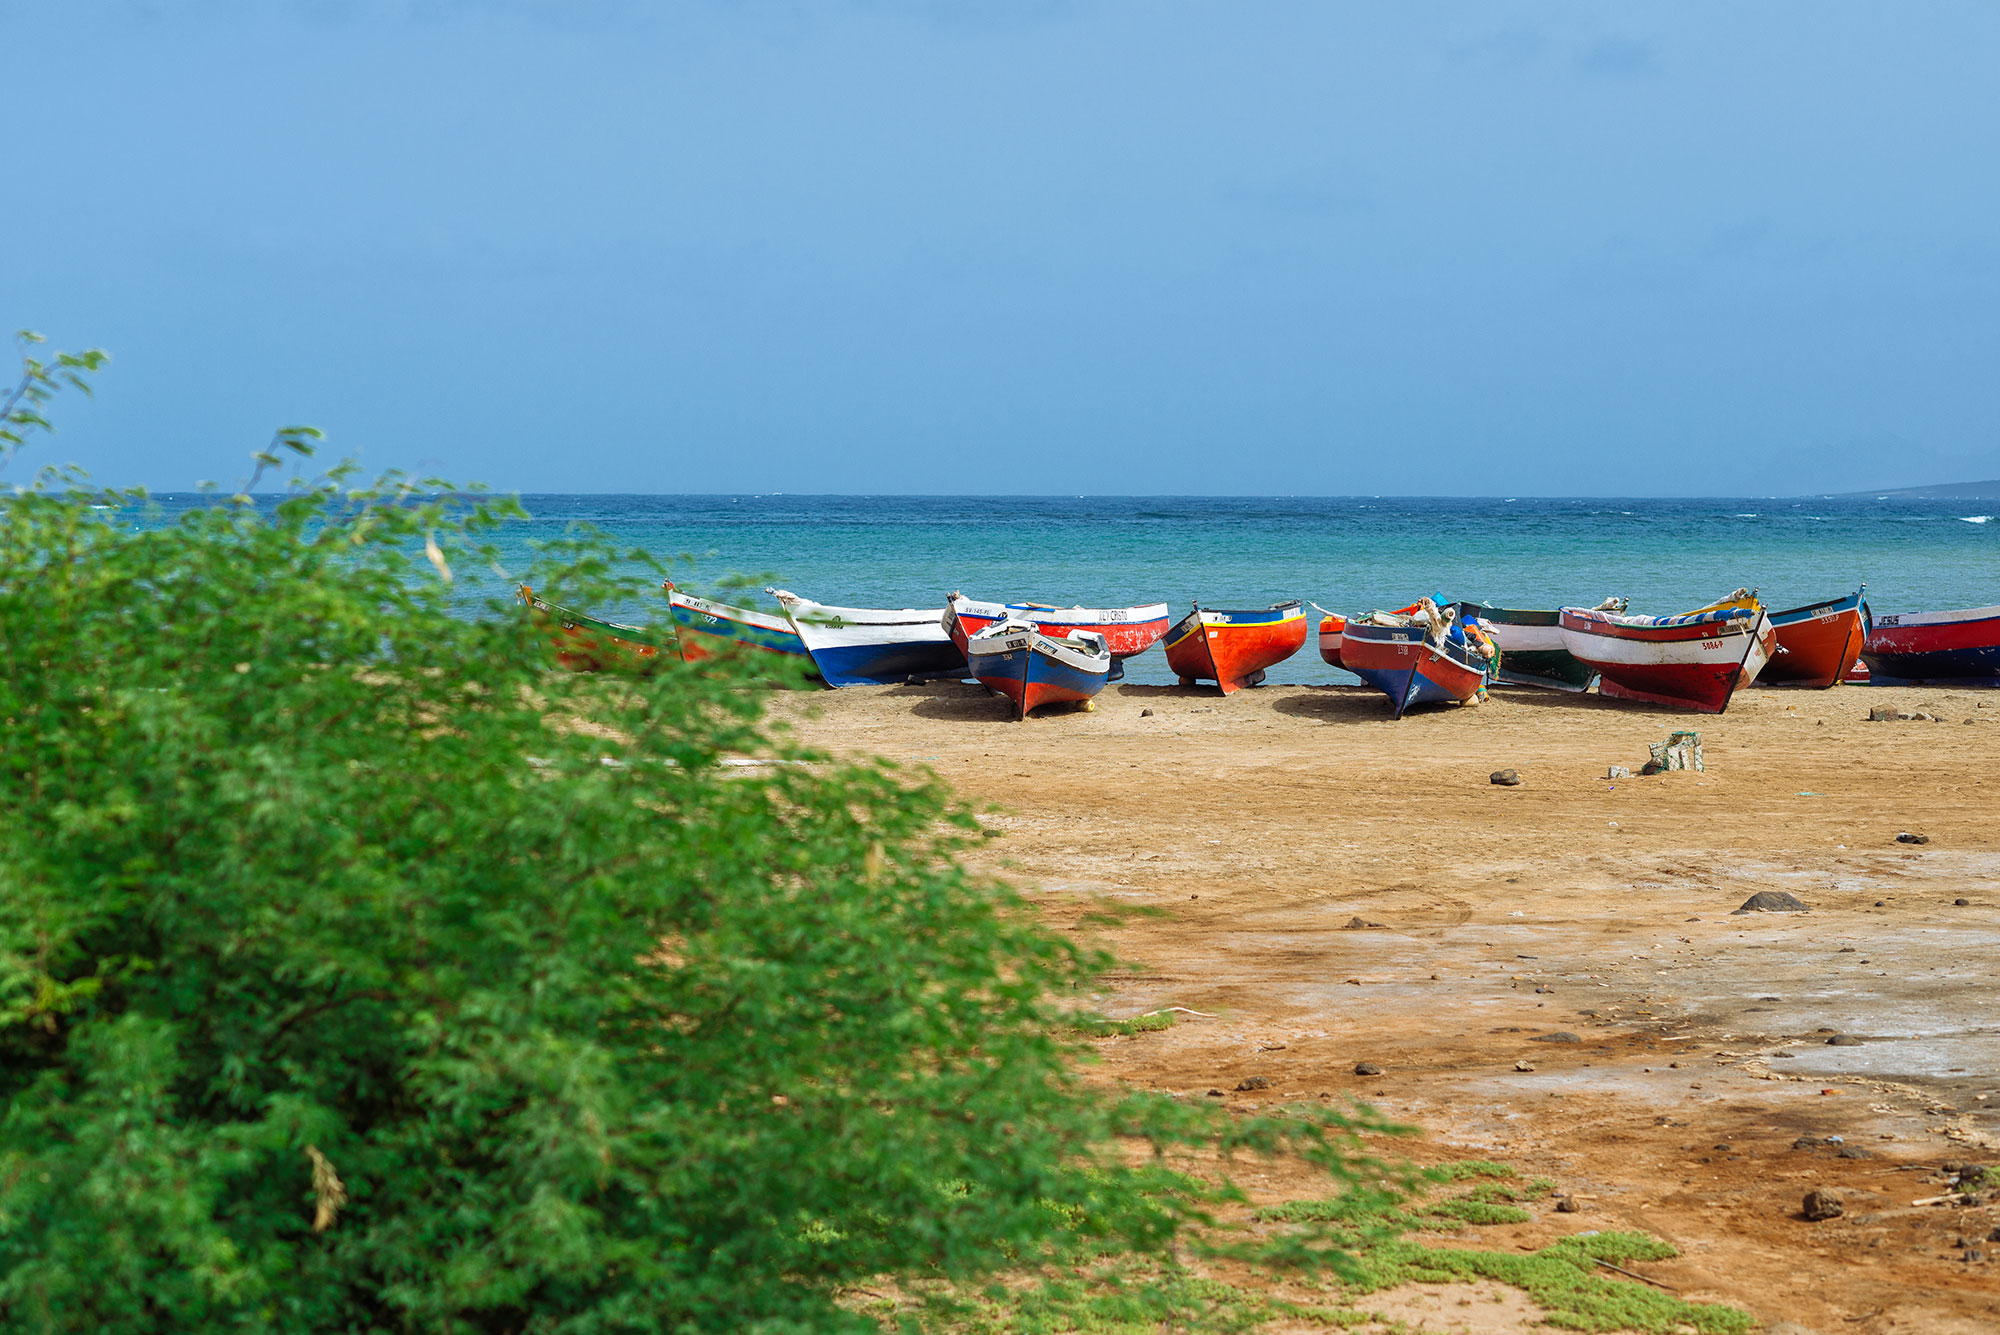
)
(1345, 553)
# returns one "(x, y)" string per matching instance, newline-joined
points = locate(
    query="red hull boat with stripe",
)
(1331, 627)
(1232, 649)
(1962, 648)
(1818, 644)
(1127, 630)
(1695, 661)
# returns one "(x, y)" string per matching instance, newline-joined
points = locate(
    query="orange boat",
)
(1818, 644)
(1232, 649)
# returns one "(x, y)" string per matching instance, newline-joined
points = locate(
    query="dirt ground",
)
(1340, 888)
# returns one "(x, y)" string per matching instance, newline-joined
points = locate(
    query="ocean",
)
(1348, 554)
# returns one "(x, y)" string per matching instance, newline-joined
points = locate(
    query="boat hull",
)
(1233, 649)
(1032, 669)
(707, 628)
(1961, 647)
(1402, 664)
(1330, 628)
(857, 646)
(1532, 652)
(1695, 662)
(1817, 644)
(587, 644)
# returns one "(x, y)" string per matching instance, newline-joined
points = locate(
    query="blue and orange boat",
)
(1233, 649)
(1014, 658)
(706, 628)
(1427, 657)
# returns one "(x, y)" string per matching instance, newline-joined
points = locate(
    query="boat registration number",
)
(1711, 644)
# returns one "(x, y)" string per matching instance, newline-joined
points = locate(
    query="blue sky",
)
(1025, 247)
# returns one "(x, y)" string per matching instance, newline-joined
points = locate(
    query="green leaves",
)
(359, 971)
(36, 385)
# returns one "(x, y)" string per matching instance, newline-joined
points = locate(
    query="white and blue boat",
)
(1014, 658)
(856, 646)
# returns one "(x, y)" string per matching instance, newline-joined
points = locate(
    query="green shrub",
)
(360, 973)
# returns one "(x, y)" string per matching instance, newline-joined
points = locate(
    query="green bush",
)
(358, 972)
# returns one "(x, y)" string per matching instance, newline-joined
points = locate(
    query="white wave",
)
(1973, 519)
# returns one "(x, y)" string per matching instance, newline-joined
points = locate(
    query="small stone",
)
(1974, 1254)
(1617, 772)
(1725, 1146)
(1881, 715)
(1254, 1082)
(1773, 901)
(1215, 1093)
(1843, 1041)
(1881, 903)
(1367, 1068)
(1354, 924)
(1960, 903)
(1567, 1204)
(1806, 1143)
(1524, 1065)
(1506, 778)
(1824, 1203)
(1856, 1152)
(1145, 713)
(1559, 1036)
(1994, 1236)
(1907, 838)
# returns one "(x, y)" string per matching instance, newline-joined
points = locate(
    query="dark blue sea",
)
(1346, 553)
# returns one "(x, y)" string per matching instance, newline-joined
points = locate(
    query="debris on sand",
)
(1681, 750)
(1253, 1082)
(1617, 772)
(1773, 901)
(1359, 924)
(1560, 1036)
(1367, 1068)
(1843, 1041)
(1907, 838)
(1506, 778)
(1824, 1203)
(1524, 1065)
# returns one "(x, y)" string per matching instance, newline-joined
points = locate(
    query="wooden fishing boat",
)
(1330, 626)
(1429, 658)
(1128, 630)
(1015, 658)
(587, 644)
(706, 628)
(1694, 661)
(1531, 646)
(1962, 648)
(1233, 649)
(854, 646)
(1818, 644)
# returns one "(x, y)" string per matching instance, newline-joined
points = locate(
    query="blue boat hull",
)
(887, 664)
(1975, 667)
(1031, 679)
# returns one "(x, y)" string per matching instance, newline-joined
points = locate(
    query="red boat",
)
(1331, 626)
(1694, 661)
(1232, 649)
(1128, 630)
(1819, 644)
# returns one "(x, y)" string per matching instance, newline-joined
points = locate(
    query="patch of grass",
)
(1352, 1245)
(1099, 1026)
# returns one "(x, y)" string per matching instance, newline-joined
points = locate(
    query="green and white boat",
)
(1531, 646)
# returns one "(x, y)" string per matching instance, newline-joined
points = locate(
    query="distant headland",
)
(1943, 491)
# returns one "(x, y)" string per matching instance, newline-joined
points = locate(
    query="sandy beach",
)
(1336, 888)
